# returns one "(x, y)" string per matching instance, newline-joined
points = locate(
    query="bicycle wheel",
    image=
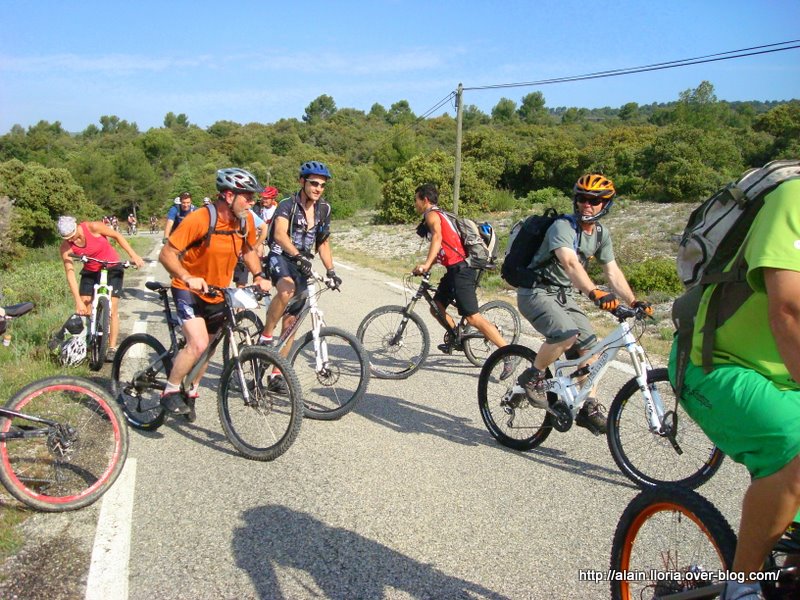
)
(248, 328)
(647, 458)
(511, 418)
(333, 379)
(395, 349)
(70, 461)
(669, 539)
(260, 419)
(98, 345)
(138, 376)
(503, 316)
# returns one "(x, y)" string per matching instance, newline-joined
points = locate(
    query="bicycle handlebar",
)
(626, 312)
(214, 290)
(106, 263)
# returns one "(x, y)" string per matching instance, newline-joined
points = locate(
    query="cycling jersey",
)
(302, 236)
(213, 262)
(176, 215)
(452, 251)
(561, 235)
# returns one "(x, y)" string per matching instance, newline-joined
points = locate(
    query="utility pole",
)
(457, 177)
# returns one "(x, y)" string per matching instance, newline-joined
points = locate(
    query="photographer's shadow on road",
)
(289, 554)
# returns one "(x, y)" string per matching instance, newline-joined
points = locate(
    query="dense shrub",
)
(654, 275)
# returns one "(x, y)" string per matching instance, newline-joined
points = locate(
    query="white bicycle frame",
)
(317, 323)
(565, 372)
(102, 289)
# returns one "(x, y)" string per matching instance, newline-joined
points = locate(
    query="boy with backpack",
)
(460, 282)
(740, 382)
(557, 268)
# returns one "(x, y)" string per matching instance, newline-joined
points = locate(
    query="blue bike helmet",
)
(313, 167)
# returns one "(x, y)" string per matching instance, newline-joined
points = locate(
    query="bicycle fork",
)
(397, 339)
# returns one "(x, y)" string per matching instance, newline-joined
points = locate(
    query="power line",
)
(731, 54)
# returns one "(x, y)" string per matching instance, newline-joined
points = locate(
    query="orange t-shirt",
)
(215, 262)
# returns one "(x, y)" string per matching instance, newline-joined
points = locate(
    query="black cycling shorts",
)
(90, 278)
(459, 285)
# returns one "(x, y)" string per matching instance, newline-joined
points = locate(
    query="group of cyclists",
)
(749, 406)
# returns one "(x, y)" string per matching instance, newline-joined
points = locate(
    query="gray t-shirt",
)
(561, 235)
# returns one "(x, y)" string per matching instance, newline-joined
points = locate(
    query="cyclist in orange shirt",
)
(196, 262)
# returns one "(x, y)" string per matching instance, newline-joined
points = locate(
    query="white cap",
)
(67, 226)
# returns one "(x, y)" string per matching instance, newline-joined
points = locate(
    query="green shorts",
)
(744, 414)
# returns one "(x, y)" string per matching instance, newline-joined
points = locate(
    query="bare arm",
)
(104, 230)
(168, 228)
(435, 227)
(618, 283)
(325, 254)
(574, 269)
(72, 282)
(281, 225)
(169, 257)
(783, 294)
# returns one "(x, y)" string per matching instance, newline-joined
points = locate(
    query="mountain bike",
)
(397, 340)
(132, 229)
(330, 363)
(99, 322)
(260, 421)
(63, 440)
(153, 226)
(651, 443)
(671, 543)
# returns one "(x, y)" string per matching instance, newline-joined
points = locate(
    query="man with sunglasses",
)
(300, 227)
(196, 260)
(569, 244)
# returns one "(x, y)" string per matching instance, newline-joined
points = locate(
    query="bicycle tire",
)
(648, 459)
(279, 414)
(78, 460)
(99, 343)
(337, 388)
(501, 414)
(669, 530)
(249, 320)
(138, 376)
(506, 319)
(398, 360)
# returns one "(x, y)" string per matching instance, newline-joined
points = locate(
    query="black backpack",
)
(523, 242)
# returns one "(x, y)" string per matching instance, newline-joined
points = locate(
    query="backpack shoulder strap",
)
(212, 223)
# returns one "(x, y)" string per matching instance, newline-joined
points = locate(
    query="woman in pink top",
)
(90, 238)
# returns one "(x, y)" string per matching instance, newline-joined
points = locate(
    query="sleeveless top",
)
(96, 247)
(452, 250)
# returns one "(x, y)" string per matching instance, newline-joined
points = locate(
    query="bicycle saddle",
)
(17, 310)
(155, 286)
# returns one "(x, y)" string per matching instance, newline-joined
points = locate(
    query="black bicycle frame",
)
(24, 433)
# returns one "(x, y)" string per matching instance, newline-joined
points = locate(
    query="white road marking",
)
(139, 327)
(396, 286)
(337, 263)
(108, 571)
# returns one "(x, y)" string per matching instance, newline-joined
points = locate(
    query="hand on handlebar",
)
(643, 307)
(137, 261)
(604, 300)
(420, 270)
(196, 284)
(334, 281)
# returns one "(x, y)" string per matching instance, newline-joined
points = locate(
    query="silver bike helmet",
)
(73, 351)
(237, 180)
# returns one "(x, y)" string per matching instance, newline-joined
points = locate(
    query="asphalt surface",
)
(407, 497)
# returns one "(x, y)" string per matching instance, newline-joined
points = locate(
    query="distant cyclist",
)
(300, 227)
(194, 264)
(153, 223)
(131, 224)
(90, 238)
(268, 205)
(177, 213)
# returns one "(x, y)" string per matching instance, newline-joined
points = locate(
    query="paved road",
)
(407, 497)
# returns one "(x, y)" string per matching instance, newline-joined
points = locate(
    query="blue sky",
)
(73, 61)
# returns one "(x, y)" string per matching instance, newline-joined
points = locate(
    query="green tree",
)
(505, 111)
(473, 116)
(400, 113)
(532, 110)
(40, 195)
(321, 108)
(783, 123)
(628, 112)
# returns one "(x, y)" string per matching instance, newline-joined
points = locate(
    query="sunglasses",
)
(592, 201)
(317, 184)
